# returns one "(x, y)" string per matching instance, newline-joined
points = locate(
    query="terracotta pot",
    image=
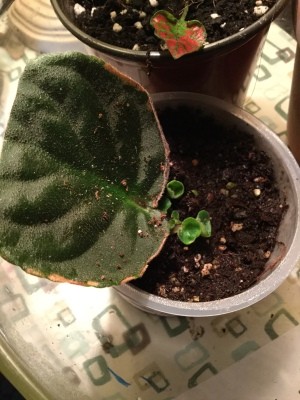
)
(222, 69)
(283, 258)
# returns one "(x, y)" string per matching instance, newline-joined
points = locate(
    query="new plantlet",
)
(175, 189)
(190, 228)
(165, 204)
(204, 220)
(174, 220)
(180, 36)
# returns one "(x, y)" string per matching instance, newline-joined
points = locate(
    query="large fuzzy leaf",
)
(83, 164)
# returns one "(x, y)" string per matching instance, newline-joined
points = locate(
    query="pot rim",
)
(158, 305)
(236, 39)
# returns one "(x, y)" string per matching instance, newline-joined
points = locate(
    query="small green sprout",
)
(190, 228)
(174, 220)
(189, 231)
(175, 189)
(165, 204)
(204, 221)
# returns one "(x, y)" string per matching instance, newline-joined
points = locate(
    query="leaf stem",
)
(184, 13)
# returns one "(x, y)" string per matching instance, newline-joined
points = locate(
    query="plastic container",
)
(281, 262)
(222, 69)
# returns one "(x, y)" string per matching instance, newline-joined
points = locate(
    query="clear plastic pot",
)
(222, 69)
(283, 260)
(293, 123)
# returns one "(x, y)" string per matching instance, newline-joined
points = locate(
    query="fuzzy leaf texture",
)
(181, 37)
(81, 174)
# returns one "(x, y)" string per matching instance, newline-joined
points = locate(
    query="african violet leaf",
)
(83, 165)
(180, 36)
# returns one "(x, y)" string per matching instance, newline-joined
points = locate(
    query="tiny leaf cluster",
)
(190, 228)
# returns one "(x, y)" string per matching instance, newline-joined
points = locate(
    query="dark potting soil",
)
(224, 173)
(126, 23)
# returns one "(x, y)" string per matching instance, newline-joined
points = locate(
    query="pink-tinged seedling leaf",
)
(181, 36)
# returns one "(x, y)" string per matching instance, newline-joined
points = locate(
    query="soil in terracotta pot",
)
(224, 173)
(126, 23)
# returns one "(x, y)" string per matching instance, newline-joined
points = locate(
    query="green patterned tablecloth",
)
(64, 342)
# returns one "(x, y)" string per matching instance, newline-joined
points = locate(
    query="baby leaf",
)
(189, 230)
(204, 220)
(180, 36)
(164, 204)
(175, 189)
(174, 220)
(80, 174)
